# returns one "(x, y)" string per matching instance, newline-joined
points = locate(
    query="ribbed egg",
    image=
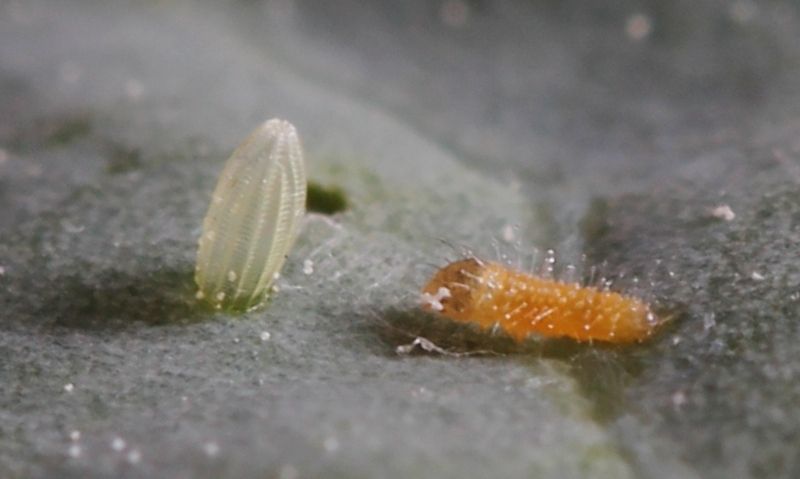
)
(253, 218)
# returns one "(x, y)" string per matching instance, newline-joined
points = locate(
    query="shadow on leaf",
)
(120, 300)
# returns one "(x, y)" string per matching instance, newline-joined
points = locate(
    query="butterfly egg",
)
(253, 218)
(492, 295)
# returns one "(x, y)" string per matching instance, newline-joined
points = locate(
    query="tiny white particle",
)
(211, 448)
(236, 340)
(34, 170)
(757, 276)
(220, 296)
(134, 89)
(709, 321)
(331, 445)
(455, 13)
(404, 348)
(723, 212)
(288, 471)
(134, 456)
(2, 270)
(265, 335)
(308, 267)
(231, 275)
(75, 435)
(69, 387)
(742, 11)
(70, 73)
(678, 398)
(430, 300)
(425, 344)
(418, 392)
(638, 27)
(199, 295)
(74, 451)
(434, 301)
(508, 233)
(118, 444)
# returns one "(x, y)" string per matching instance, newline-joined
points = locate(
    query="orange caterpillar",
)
(493, 295)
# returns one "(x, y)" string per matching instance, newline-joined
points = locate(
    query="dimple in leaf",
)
(253, 218)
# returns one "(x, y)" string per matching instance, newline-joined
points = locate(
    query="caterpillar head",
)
(450, 290)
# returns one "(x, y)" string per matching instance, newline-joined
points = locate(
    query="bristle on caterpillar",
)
(493, 295)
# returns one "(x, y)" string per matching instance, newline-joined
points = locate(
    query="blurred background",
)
(661, 139)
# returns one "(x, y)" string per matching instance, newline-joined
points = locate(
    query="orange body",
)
(493, 295)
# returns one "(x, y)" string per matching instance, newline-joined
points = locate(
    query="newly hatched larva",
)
(493, 295)
(253, 218)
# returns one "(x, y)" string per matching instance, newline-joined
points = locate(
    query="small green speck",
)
(325, 199)
(68, 130)
(122, 159)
